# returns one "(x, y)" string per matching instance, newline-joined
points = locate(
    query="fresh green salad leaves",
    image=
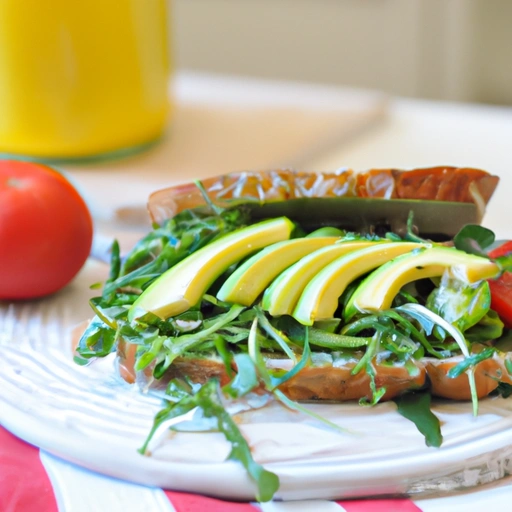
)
(416, 408)
(473, 239)
(459, 303)
(208, 399)
(166, 245)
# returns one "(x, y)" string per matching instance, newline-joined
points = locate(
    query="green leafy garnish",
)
(459, 303)
(174, 347)
(473, 239)
(282, 340)
(246, 378)
(304, 410)
(304, 361)
(490, 327)
(504, 344)
(422, 313)
(504, 389)
(411, 235)
(208, 399)
(98, 340)
(319, 337)
(225, 354)
(416, 408)
(470, 361)
(167, 245)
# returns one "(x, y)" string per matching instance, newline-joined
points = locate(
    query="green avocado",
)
(326, 231)
(283, 294)
(183, 285)
(253, 276)
(379, 289)
(319, 300)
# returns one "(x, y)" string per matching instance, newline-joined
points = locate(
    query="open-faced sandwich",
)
(312, 287)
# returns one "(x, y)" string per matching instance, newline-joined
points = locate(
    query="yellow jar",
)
(82, 78)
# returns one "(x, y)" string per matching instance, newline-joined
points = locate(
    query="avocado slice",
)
(183, 285)
(254, 275)
(283, 294)
(326, 231)
(319, 300)
(379, 289)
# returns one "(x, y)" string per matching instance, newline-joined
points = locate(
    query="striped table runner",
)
(34, 481)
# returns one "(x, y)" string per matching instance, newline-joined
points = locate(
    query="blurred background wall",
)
(445, 49)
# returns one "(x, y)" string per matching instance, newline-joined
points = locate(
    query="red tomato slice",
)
(502, 250)
(501, 289)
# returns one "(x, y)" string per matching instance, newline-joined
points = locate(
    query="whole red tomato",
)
(45, 230)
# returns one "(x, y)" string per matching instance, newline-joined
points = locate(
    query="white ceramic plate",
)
(92, 418)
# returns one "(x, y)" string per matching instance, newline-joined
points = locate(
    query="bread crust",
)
(442, 183)
(335, 383)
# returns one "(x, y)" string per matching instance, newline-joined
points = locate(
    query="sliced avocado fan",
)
(183, 285)
(379, 289)
(281, 297)
(252, 277)
(319, 300)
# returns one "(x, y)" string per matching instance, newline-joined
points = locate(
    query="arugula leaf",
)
(98, 340)
(319, 337)
(404, 330)
(167, 245)
(146, 358)
(490, 327)
(162, 419)
(461, 304)
(504, 389)
(504, 344)
(295, 406)
(108, 315)
(370, 353)
(115, 262)
(411, 235)
(377, 393)
(271, 383)
(176, 346)
(208, 399)
(366, 362)
(217, 210)
(470, 361)
(416, 408)
(393, 237)
(225, 354)
(304, 361)
(281, 339)
(421, 313)
(473, 239)
(409, 327)
(178, 389)
(255, 354)
(246, 378)
(427, 319)
(504, 262)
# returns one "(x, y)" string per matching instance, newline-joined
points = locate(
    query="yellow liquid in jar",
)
(82, 78)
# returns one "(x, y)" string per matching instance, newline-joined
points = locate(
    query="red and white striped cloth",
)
(34, 481)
